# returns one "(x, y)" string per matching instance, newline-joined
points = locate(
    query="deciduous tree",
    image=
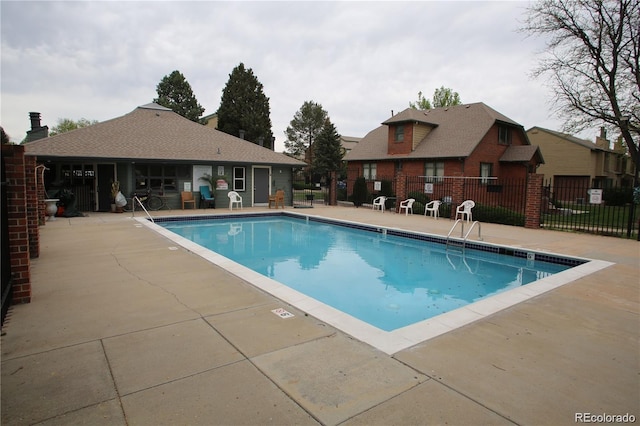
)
(67, 124)
(303, 130)
(245, 107)
(174, 92)
(421, 103)
(445, 97)
(442, 97)
(591, 59)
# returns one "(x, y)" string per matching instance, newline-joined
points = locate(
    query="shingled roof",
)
(153, 132)
(456, 132)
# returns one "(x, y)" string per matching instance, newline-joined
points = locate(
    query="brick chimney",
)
(602, 141)
(37, 130)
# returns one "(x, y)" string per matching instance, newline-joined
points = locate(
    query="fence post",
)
(533, 203)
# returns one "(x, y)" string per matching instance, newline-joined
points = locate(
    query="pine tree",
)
(327, 150)
(245, 107)
(175, 92)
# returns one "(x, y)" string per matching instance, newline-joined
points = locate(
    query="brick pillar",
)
(533, 203)
(457, 193)
(16, 211)
(401, 188)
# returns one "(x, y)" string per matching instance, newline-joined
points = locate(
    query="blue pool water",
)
(385, 280)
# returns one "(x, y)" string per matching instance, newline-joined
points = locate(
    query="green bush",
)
(418, 207)
(497, 215)
(420, 197)
(617, 196)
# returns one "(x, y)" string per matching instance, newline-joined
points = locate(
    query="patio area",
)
(126, 328)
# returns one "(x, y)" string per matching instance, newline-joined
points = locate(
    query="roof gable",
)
(522, 154)
(153, 132)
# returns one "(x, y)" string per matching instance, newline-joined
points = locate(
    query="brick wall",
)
(16, 211)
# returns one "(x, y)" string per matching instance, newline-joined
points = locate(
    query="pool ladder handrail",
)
(135, 200)
(462, 234)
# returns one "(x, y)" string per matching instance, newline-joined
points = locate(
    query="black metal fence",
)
(574, 205)
(570, 205)
(307, 194)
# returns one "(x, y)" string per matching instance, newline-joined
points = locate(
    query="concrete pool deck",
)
(126, 328)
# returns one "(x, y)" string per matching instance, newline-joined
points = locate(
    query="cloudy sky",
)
(360, 60)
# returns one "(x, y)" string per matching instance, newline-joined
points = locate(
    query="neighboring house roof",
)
(456, 132)
(582, 142)
(348, 142)
(153, 132)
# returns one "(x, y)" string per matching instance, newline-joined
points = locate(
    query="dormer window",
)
(504, 135)
(399, 135)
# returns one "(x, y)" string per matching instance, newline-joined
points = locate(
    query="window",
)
(485, 172)
(369, 171)
(239, 178)
(399, 134)
(434, 171)
(504, 135)
(159, 178)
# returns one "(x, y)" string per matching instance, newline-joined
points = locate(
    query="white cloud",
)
(360, 60)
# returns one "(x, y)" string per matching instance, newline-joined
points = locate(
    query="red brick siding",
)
(404, 147)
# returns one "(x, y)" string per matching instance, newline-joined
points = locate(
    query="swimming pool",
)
(388, 275)
(388, 281)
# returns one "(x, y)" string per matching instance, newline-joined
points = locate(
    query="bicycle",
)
(148, 200)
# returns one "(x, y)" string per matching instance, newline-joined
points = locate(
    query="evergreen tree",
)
(327, 150)
(175, 92)
(303, 130)
(360, 191)
(5, 136)
(245, 107)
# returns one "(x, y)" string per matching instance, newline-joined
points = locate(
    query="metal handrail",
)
(471, 228)
(462, 234)
(133, 211)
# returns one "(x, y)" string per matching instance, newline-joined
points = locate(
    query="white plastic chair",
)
(433, 208)
(407, 206)
(379, 203)
(234, 198)
(464, 210)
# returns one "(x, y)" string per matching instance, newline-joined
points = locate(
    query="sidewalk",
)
(126, 328)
